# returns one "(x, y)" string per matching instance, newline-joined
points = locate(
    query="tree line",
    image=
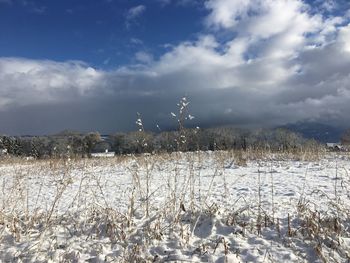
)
(74, 144)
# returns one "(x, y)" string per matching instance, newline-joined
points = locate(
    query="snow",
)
(189, 207)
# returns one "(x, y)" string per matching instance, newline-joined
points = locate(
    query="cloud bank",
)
(281, 61)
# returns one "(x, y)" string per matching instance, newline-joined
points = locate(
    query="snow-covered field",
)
(193, 207)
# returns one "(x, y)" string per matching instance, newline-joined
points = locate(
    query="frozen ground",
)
(194, 207)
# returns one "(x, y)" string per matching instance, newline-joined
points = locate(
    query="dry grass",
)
(185, 205)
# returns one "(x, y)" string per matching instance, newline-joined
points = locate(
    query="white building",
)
(105, 154)
(335, 146)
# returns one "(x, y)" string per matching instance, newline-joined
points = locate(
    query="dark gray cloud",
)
(291, 66)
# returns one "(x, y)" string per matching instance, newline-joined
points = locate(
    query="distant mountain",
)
(314, 130)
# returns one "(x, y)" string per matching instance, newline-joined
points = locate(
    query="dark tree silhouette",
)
(345, 138)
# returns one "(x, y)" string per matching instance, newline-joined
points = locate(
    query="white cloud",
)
(328, 5)
(27, 82)
(144, 57)
(344, 38)
(135, 12)
(227, 13)
(284, 22)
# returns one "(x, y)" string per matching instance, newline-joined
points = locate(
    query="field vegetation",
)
(222, 206)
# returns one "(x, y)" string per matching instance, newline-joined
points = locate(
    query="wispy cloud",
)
(69, 11)
(106, 61)
(133, 13)
(179, 2)
(39, 10)
(144, 57)
(136, 41)
(136, 11)
(33, 7)
(164, 2)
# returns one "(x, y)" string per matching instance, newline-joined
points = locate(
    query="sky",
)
(91, 65)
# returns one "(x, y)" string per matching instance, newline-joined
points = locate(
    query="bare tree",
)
(345, 138)
(90, 140)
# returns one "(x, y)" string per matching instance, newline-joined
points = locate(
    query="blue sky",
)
(91, 65)
(102, 33)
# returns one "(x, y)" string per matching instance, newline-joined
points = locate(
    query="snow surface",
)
(193, 207)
